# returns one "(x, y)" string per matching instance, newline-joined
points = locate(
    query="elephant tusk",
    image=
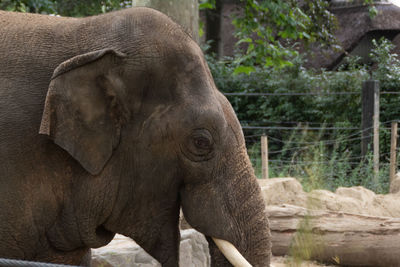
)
(231, 253)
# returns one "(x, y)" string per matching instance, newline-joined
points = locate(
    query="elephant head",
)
(145, 121)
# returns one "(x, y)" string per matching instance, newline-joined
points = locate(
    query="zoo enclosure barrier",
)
(393, 151)
(369, 130)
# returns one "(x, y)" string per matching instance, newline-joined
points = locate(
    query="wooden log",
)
(335, 238)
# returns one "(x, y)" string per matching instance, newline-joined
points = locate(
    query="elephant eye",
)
(199, 146)
(202, 142)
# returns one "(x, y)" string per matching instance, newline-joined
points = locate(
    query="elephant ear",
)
(83, 112)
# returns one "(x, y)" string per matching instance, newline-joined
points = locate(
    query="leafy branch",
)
(272, 30)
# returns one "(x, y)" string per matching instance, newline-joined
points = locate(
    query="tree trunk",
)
(333, 237)
(213, 28)
(184, 12)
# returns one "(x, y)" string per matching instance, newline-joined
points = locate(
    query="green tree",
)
(74, 8)
(33, 6)
(272, 30)
(269, 31)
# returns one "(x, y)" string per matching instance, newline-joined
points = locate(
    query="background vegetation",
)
(328, 157)
(73, 8)
(324, 150)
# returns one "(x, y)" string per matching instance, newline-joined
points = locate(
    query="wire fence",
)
(306, 93)
(307, 145)
(320, 166)
(331, 151)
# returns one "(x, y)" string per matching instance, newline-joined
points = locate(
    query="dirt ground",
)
(285, 262)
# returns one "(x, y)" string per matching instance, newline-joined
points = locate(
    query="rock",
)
(327, 200)
(277, 191)
(387, 205)
(124, 252)
(357, 192)
(194, 249)
(357, 199)
(364, 200)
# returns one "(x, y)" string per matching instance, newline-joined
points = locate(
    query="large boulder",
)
(327, 200)
(124, 252)
(357, 199)
(276, 191)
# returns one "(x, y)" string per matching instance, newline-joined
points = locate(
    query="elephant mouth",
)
(231, 253)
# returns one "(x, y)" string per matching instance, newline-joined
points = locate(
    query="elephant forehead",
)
(204, 116)
(189, 115)
(158, 113)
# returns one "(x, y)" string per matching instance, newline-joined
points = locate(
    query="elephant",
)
(112, 124)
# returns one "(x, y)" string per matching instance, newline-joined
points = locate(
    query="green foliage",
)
(305, 153)
(270, 31)
(306, 243)
(294, 79)
(386, 69)
(78, 8)
(206, 4)
(74, 8)
(34, 6)
(387, 64)
(320, 164)
(373, 12)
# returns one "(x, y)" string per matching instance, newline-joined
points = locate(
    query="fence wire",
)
(306, 93)
(334, 158)
(292, 152)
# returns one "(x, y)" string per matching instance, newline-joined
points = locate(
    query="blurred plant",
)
(322, 165)
(386, 69)
(387, 64)
(74, 8)
(206, 4)
(373, 12)
(34, 6)
(305, 244)
(271, 30)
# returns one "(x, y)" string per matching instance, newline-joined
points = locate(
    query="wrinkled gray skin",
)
(131, 128)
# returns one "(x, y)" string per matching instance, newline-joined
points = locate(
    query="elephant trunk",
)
(232, 210)
(253, 236)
